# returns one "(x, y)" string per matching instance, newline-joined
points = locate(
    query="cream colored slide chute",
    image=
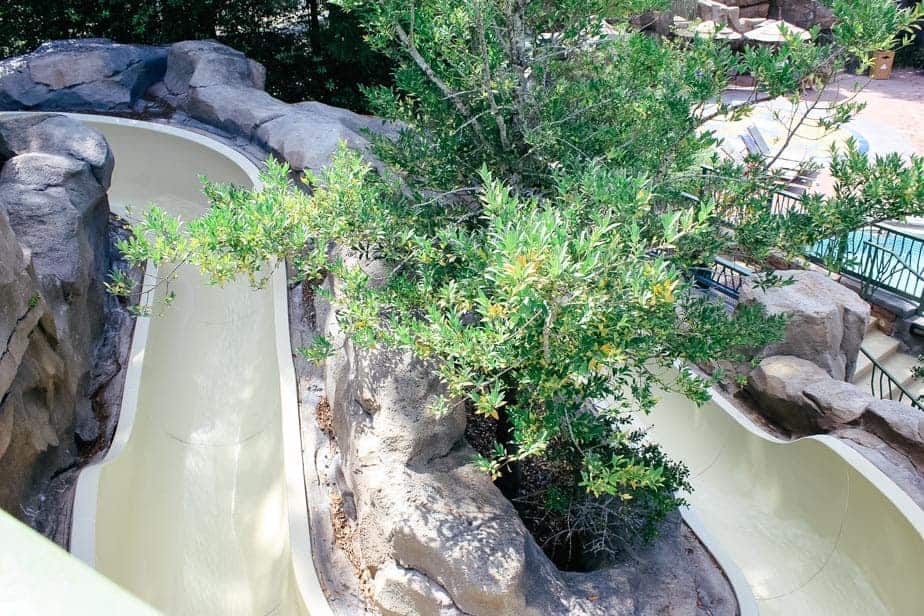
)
(811, 526)
(199, 507)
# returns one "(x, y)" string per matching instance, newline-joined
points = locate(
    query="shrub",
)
(536, 220)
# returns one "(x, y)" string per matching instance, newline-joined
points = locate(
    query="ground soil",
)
(893, 120)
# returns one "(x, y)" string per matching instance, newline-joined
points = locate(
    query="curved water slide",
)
(811, 526)
(199, 507)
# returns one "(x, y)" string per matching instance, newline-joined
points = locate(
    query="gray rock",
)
(839, 403)
(778, 385)
(80, 75)
(307, 141)
(356, 122)
(240, 111)
(405, 592)
(899, 424)
(826, 321)
(802, 13)
(54, 255)
(198, 64)
(56, 207)
(58, 134)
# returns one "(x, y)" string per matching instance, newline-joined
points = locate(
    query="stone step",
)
(878, 345)
(900, 365)
(916, 387)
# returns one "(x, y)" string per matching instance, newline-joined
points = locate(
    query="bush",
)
(912, 55)
(321, 59)
(536, 218)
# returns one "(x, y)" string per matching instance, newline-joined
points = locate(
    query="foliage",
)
(536, 219)
(912, 55)
(873, 25)
(532, 309)
(306, 58)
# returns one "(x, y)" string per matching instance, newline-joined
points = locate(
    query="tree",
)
(537, 220)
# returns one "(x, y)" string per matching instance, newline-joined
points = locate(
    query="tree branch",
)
(486, 72)
(424, 66)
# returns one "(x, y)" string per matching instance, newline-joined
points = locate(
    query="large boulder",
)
(80, 75)
(240, 111)
(838, 403)
(801, 398)
(825, 320)
(778, 385)
(202, 64)
(221, 87)
(899, 424)
(54, 246)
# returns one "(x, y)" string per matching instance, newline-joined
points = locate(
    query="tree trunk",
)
(314, 25)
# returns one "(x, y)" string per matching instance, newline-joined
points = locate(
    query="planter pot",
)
(882, 65)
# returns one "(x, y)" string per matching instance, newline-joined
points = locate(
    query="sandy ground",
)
(894, 116)
(893, 119)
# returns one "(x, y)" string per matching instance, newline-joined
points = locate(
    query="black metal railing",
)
(785, 202)
(880, 257)
(885, 386)
(724, 277)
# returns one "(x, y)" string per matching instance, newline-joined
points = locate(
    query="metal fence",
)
(724, 277)
(884, 386)
(880, 257)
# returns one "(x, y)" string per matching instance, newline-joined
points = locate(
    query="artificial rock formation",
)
(434, 535)
(55, 248)
(209, 82)
(221, 87)
(826, 321)
(801, 13)
(801, 398)
(80, 75)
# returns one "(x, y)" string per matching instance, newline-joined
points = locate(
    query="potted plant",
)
(889, 28)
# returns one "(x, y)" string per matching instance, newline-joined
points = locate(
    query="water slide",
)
(199, 507)
(811, 526)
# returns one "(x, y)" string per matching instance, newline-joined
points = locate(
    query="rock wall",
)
(801, 398)
(826, 321)
(801, 13)
(80, 75)
(55, 247)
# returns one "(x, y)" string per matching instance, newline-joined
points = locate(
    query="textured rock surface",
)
(434, 535)
(439, 538)
(210, 82)
(826, 320)
(906, 471)
(223, 88)
(80, 75)
(899, 424)
(802, 13)
(891, 435)
(838, 403)
(55, 248)
(778, 385)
